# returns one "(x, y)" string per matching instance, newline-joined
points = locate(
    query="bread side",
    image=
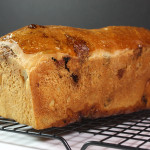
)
(65, 91)
(15, 93)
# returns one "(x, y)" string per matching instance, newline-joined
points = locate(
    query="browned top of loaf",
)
(75, 41)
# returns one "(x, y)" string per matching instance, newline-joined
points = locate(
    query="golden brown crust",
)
(77, 42)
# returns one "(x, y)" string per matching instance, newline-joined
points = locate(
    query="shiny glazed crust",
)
(74, 73)
(73, 41)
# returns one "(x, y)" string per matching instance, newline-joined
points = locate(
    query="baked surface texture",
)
(56, 75)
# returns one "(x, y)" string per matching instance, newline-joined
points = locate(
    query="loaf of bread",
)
(55, 75)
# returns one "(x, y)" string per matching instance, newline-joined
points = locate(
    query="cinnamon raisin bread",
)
(56, 75)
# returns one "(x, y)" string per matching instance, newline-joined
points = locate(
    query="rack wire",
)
(130, 131)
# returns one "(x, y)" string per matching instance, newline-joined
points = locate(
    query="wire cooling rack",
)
(131, 131)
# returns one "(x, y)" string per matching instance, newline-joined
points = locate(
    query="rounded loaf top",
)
(78, 42)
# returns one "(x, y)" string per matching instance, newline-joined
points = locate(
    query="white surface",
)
(15, 141)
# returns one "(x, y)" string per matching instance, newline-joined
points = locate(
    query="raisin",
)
(37, 84)
(65, 121)
(121, 73)
(32, 26)
(66, 59)
(79, 46)
(54, 59)
(75, 78)
(107, 102)
(144, 99)
(138, 52)
(44, 35)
